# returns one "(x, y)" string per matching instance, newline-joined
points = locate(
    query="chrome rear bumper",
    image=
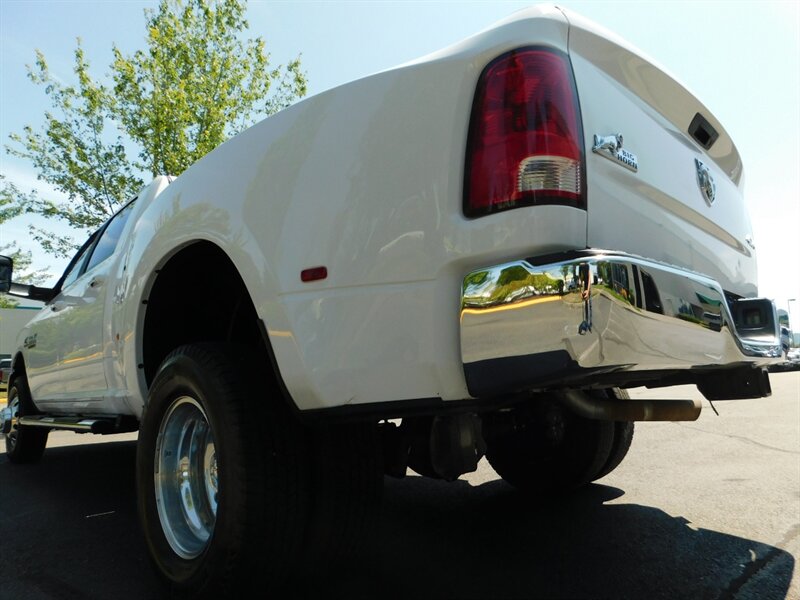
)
(589, 317)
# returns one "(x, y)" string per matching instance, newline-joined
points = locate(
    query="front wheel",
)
(219, 475)
(24, 445)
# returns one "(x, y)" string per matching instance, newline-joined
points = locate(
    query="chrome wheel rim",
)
(11, 436)
(186, 478)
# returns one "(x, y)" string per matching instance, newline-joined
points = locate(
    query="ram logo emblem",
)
(706, 182)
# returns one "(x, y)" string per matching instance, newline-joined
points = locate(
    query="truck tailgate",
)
(658, 210)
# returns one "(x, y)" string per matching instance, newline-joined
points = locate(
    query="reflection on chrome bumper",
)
(565, 319)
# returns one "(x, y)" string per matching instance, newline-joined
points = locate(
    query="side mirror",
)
(6, 266)
(18, 289)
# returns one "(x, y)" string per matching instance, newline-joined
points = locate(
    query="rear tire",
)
(24, 445)
(346, 469)
(623, 437)
(549, 450)
(210, 431)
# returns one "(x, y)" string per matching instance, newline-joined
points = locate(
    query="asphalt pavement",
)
(709, 509)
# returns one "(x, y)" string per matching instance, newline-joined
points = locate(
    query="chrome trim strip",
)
(605, 312)
(71, 424)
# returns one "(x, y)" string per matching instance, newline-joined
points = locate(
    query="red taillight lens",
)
(525, 139)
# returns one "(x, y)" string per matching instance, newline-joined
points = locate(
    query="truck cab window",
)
(74, 270)
(108, 240)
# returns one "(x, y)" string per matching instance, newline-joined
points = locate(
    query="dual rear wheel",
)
(233, 491)
(545, 449)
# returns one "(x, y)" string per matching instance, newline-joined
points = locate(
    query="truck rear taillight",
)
(525, 138)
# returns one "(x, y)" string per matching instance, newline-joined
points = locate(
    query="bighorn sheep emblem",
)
(610, 147)
(612, 143)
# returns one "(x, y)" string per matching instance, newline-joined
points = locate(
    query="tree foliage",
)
(71, 152)
(195, 84)
(9, 207)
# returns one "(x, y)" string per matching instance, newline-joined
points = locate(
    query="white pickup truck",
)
(472, 254)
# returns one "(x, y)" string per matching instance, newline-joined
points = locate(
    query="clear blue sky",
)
(742, 59)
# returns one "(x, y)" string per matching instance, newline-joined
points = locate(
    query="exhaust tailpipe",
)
(604, 409)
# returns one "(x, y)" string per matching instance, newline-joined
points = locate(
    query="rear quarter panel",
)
(365, 179)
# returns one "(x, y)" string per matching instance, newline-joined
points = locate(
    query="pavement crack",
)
(757, 565)
(749, 572)
(794, 532)
(741, 438)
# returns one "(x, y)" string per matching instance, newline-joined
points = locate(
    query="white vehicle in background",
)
(490, 243)
(5, 370)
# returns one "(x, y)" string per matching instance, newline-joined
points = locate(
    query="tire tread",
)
(31, 441)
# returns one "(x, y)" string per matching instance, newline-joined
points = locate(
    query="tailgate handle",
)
(702, 132)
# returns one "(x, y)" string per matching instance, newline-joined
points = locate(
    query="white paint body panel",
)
(67, 362)
(366, 179)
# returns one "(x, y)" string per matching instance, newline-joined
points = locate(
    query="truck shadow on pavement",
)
(69, 530)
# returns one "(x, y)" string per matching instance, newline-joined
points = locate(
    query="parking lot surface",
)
(709, 509)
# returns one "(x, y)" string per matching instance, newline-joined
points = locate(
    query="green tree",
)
(71, 152)
(195, 84)
(9, 207)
